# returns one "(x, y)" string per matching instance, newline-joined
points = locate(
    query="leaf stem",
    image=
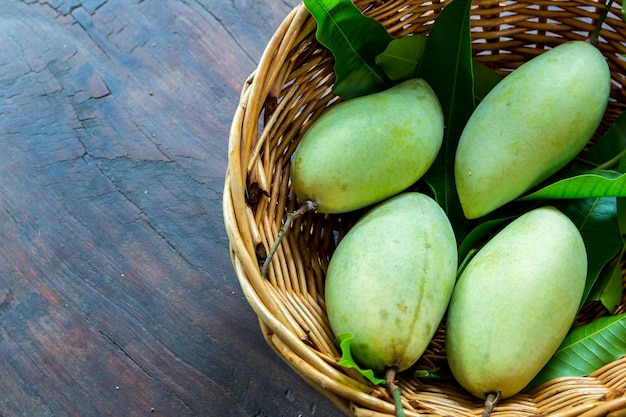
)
(611, 162)
(307, 206)
(390, 376)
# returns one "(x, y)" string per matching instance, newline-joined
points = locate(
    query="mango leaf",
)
(402, 57)
(344, 342)
(354, 40)
(418, 371)
(428, 373)
(485, 79)
(621, 201)
(586, 349)
(479, 234)
(584, 185)
(596, 218)
(621, 215)
(447, 68)
(607, 152)
(608, 287)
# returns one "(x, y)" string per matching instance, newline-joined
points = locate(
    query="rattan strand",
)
(289, 89)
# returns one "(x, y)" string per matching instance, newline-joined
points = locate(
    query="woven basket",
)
(290, 88)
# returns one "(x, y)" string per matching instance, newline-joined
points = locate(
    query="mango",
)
(366, 149)
(390, 280)
(515, 302)
(530, 125)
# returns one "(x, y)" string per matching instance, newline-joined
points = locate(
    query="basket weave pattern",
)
(290, 88)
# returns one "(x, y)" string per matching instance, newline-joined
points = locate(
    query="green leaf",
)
(344, 341)
(621, 215)
(402, 57)
(447, 68)
(596, 218)
(621, 201)
(485, 79)
(354, 40)
(428, 373)
(479, 234)
(418, 371)
(608, 287)
(586, 349)
(585, 185)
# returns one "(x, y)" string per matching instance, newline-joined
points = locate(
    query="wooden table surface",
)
(117, 293)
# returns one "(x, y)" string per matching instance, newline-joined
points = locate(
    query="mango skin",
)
(515, 302)
(369, 148)
(530, 125)
(390, 280)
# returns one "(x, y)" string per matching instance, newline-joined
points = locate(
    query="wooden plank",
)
(117, 296)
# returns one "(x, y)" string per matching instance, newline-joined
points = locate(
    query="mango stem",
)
(490, 402)
(390, 376)
(307, 206)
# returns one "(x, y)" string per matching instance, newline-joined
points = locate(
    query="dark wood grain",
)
(117, 295)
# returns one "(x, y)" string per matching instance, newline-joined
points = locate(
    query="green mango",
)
(530, 125)
(515, 302)
(369, 148)
(390, 279)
